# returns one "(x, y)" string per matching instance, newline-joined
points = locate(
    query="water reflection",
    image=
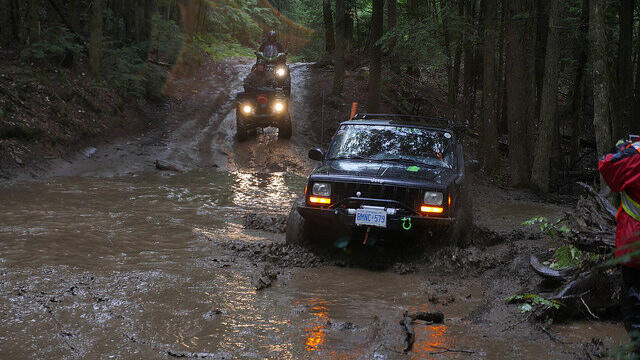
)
(430, 340)
(316, 334)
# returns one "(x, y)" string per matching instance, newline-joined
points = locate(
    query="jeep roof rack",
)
(427, 120)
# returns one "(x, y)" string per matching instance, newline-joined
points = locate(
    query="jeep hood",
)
(384, 171)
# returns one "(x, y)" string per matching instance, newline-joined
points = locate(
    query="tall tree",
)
(329, 41)
(625, 62)
(338, 54)
(468, 75)
(489, 143)
(577, 94)
(392, 19)
(34, 21)
(541, 164)
(95, 40)
(602, 115)
(375, 68)
(520, 87)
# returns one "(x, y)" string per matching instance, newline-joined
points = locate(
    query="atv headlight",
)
(278, 106)
(247, 109)
(321, 189)
(433, 198)
(281, 72)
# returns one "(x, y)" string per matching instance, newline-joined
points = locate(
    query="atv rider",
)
(272, 39)
(259, 78)
(621, 170)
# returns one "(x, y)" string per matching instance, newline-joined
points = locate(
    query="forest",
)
(544, 86)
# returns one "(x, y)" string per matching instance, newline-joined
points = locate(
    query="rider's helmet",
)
(260, 66)
(272, 36)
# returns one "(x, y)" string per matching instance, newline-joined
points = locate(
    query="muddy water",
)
(137, 264)
(138, 268)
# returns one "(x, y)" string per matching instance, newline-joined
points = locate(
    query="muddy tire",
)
(299, 230)
(460, 231)
(241, 130)
(286, 129)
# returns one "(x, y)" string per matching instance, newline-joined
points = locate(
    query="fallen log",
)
(165, 165)
(431, 317)
(589, 293)
(410, 335)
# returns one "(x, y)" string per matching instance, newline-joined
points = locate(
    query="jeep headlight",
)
(247, 109)
(278, 106)
(321, 189)
(433, 198)
(281, 72)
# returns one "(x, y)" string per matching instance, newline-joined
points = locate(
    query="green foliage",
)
(221, 47)
(528, 301)
(56, 42)
(568, 256)
(167, 39)
(547, 227)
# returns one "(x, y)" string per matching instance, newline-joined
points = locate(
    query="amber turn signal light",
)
(431, 209)
(320, 200)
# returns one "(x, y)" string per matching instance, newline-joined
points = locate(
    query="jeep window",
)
(393, 143)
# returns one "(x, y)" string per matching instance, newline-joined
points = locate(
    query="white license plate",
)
(371, 217)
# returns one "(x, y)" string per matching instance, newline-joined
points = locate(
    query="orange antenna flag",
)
(354, 110)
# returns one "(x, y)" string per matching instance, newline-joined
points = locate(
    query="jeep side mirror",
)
(472, 165)
(316, 154)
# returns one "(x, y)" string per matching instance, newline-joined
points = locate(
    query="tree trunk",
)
(375, 70)
(468, 76)
(329, 40)
(338, 75)
(489, 143)
(348, 24)
(14, 14)
(578, 93)
(95, 41)
(542, 30)
(521, 93)
(625, 63)
(34, 21)
(392, 18)
(541, 163)
(602, 115)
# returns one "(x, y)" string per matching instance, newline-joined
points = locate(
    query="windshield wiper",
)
(354, 157)
(407, 161)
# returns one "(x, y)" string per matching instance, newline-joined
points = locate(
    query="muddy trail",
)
(105, 256)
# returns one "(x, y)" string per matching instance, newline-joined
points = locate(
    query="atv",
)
(276, 62)
(266, 107)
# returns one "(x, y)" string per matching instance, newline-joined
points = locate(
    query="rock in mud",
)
(167, 166)
(341, 325)
(272, 223)
(200, 355)
(212, 314)
(265, 278)
(402, 268)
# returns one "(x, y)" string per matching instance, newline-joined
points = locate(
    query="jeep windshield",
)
(401, 144)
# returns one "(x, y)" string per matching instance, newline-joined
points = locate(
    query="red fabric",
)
(621, 171)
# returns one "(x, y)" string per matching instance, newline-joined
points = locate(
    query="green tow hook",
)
(406, 223)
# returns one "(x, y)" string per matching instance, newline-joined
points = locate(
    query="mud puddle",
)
(119, 260)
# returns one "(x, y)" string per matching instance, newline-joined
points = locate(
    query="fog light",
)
(247, 109)
(431, 209)
(278, 107)
(320, 200)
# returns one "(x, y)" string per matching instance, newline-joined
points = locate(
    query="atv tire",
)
(241, 130)
(285, 130)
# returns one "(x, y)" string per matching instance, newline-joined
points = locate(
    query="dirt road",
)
(107, 257)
